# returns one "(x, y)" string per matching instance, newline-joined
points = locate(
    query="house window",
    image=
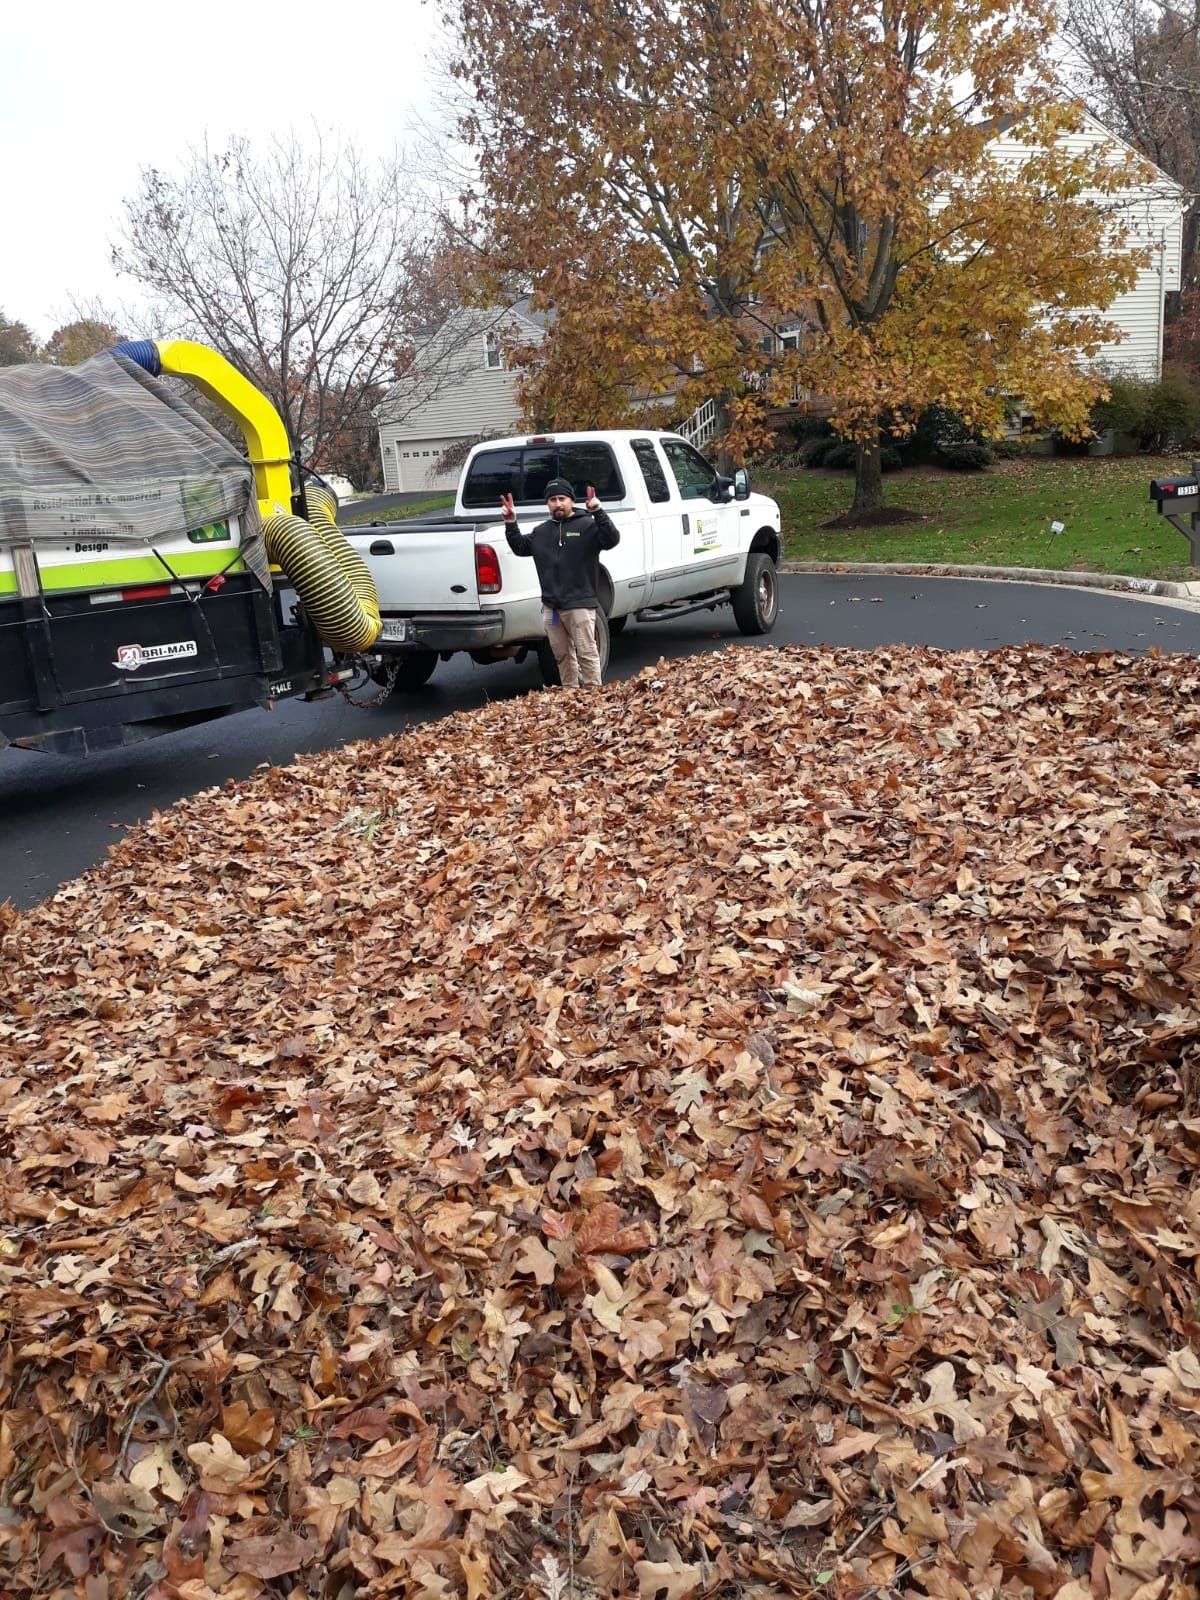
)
(495, 356)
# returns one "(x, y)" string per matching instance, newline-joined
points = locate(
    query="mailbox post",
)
(1177, 499)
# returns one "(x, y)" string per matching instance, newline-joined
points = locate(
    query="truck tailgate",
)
(421, 564)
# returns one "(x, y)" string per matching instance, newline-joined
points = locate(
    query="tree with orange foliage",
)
(75, 341)
(671, 176)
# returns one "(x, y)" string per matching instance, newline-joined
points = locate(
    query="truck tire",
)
(618, 624)
(756, 598)
(550, 667)
(414, 671)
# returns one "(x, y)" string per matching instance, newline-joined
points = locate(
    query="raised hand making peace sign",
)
(592, 502)
(506, 501)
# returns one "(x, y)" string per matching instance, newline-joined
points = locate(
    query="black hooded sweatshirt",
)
(567, 556)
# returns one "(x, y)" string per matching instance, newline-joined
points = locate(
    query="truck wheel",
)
(617, 624)
(413, 672)
(550, 667)
(756, 598)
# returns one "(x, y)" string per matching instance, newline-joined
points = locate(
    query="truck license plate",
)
(396, 630)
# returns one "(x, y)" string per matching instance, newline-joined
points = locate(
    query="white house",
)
(459, 389)
(1152, 210)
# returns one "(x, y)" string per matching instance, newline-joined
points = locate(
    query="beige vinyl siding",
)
(469, 398)
(1173, 252)
(473, 400)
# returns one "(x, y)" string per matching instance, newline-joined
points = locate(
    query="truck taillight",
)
(487, 569)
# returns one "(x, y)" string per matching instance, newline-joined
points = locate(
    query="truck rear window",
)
(524, 472)
(492, 473)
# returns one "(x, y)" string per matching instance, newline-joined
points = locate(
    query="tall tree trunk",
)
(868, 475)
(724, 422)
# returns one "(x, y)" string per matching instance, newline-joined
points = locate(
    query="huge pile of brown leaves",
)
(732, 1136)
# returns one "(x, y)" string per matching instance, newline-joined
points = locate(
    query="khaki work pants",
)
(573, 641)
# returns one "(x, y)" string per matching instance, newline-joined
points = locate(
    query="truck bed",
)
(441, 521)
(429, 559)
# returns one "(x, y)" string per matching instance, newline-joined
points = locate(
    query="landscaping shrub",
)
(1009, 449)
(937, 429)
(1125, 408)
(971, 455)
(1172, 415)
(840, 455)
(807, 428)
(815, 451)
(1064, 446)
(1158, 416)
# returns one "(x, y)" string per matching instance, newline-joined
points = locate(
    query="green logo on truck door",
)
(706, 534)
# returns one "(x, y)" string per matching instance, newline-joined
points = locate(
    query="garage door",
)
(416, 460)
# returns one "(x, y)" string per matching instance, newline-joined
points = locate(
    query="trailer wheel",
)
(413, 672)
(550, 667)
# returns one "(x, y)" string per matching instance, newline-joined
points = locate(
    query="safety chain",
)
(392, 671)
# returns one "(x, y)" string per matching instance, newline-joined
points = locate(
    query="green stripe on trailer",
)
(133, 570)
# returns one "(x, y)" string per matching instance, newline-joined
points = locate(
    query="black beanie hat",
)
(559, 486)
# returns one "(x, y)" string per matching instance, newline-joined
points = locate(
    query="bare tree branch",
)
(307, 267)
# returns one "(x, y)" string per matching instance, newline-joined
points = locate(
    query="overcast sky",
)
(90, 94)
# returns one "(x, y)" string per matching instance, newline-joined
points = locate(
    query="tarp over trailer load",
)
(135, 587)
(103, 452)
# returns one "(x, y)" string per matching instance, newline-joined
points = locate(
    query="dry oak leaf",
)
(221, 1468)
(664, 1580)
(536, 1261)
(942, 1401)
(270, 1556)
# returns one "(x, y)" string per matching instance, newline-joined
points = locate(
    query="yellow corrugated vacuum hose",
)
(321, 505)
(323, 582)
(330, 577)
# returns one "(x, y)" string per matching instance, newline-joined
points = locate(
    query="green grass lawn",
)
(997, 518)
(435, 502)
(1000, 517)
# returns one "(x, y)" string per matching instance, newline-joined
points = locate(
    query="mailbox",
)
(1172, 494)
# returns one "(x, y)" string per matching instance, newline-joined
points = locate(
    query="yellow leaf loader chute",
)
(330, 577)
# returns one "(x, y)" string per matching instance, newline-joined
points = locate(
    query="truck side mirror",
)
(741, 484)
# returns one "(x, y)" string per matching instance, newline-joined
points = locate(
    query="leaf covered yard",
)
(734, 1136)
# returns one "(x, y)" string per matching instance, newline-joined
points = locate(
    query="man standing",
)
(566, 552)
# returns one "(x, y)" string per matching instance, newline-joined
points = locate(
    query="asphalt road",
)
(58, 817)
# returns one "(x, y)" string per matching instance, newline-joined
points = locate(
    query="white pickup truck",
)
(691, 540)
